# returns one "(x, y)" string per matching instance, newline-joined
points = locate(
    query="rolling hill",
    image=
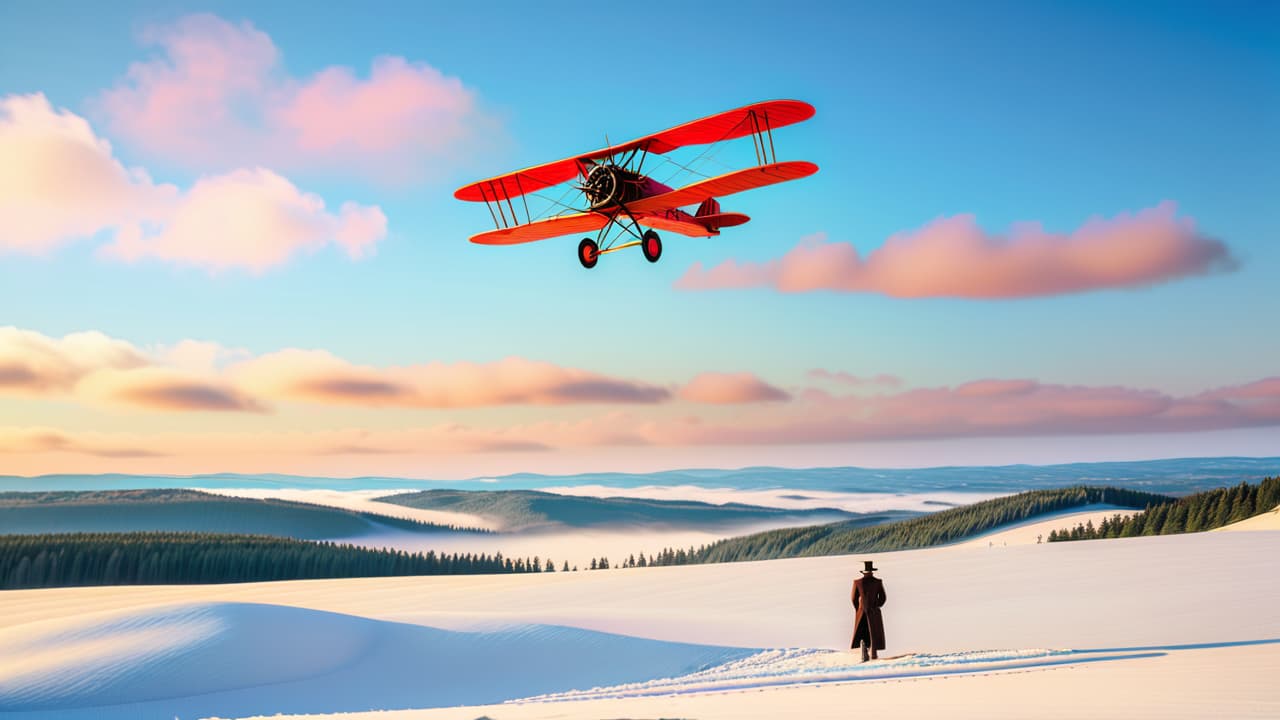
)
(529, 509)
(938, 528)
(30, 513)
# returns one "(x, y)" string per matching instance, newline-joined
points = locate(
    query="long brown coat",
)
(868, 597)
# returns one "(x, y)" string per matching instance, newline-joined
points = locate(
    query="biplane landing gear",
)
(588, 253)
(651, 246)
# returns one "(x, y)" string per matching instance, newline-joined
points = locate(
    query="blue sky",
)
(1011, 112)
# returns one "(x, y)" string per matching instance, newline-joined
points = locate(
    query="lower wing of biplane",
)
(618, 195)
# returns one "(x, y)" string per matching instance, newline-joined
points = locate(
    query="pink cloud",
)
(320, 377)
(108, 371)
(728, 388)
(187, 395)
(42, 440)
(250, 219)
(996, 388)
(1267, 389)
(245, 219)
(194, 375)
(219, 96)
(843, 378)
(1259, 401)
(987, 408)
(33, 363)
(953, 257)
(51, 161)
(165, 389)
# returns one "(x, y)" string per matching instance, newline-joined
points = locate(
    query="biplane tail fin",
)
(710, 217)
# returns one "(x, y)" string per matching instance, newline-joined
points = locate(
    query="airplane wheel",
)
(588, 253)
(651, 245)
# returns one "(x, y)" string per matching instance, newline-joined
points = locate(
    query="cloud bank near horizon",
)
(198, 376)
(94, 368)
(981, 409)
(100, 371)
(954, 257)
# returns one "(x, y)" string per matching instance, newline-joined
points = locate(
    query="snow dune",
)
(240, 658)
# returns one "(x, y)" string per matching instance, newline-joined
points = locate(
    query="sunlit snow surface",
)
(1124, 619)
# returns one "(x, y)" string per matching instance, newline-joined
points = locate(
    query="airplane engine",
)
(607, 185)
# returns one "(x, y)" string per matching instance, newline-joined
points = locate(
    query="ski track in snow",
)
(790, 666)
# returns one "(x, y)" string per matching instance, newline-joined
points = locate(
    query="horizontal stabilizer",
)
(720, 220)
(682, 223)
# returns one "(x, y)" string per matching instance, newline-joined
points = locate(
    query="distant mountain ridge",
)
(1177, 476)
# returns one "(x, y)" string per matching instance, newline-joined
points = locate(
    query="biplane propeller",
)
(617, 194)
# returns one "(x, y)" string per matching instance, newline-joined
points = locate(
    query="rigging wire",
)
(700, 155)
(559, 202)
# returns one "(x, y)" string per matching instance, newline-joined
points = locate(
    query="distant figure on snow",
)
(868, 627)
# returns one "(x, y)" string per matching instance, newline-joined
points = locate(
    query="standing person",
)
(868, 627)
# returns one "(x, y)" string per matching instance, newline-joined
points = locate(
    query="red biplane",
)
(619, 195)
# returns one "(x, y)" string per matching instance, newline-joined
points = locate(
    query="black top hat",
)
(867, 567)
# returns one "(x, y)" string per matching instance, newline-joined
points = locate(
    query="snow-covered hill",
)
(1138, 611)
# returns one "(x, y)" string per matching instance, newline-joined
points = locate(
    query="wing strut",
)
(500, 220)
(760, 130)
(489, 207)
(527, 216)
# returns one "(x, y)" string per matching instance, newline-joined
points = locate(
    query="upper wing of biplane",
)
(543, 229)
(727, 184)
(759, 118)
